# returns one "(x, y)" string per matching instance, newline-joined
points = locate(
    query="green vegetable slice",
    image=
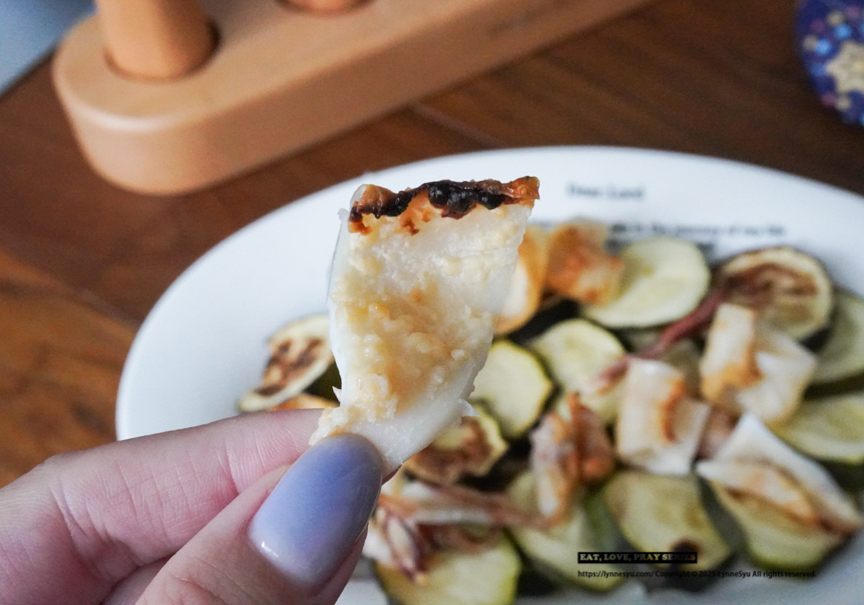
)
(789, 288)
(830, 428)
(842, 355)
(513, 387)
(576, 351)
(556, 548)
(487, 577)
(299, 354)
(657, 513)
(774, 540)
(664, 279)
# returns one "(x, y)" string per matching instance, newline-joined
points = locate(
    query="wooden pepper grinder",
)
(155, 39)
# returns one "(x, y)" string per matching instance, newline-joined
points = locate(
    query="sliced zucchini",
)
(470, 448)
(831, 428)
(576, 351)
(579, 266)
(326, 385)
(513, 387)
(299, 354)
(842, 355)
(556, 548)
(664, 279)
(665, 514)
(488, 577)
(526, 285)
(790, 289)
(775, 540)
(751, 441)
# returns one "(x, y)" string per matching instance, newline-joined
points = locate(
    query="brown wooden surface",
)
(82, 262)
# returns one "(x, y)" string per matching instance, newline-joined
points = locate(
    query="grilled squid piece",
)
(659, 424)
(791, 510)
(417, 281)
(579, 266)
(526, 286)
(751, 366)
(570, 448)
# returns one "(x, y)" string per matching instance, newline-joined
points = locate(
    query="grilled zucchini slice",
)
(658, 513)
(830, 428)
(664, 279)
(775, 540)
(513, 387)
(789, 288)
(576, 351)
(488, 577)
(842, 355)
(556, 549)
(299, 354)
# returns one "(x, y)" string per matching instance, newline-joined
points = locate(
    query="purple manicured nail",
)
(317, 511)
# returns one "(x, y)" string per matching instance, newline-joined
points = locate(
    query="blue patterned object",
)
(831, 42)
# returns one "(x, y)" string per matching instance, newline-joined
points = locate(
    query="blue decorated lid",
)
(831, 42)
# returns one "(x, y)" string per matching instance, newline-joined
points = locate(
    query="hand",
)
(202, 515)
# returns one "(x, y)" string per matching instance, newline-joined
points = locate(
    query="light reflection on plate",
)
(203, 344)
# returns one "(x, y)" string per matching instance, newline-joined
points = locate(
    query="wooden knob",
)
(324, 6)
(158, 39)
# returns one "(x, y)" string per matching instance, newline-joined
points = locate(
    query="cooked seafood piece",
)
(790, 289)
(659, 425)
(417, 282)
(299, 354)
(664, 280)
(751, 366)
(790, 510)
(665, 514)
(756, 462)
(579, 266)
(526, 286)
(842, 355)
(570, 449)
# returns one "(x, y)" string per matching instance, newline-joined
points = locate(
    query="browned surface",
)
(82, 262)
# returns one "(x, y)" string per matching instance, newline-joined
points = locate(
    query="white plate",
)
(203, 344)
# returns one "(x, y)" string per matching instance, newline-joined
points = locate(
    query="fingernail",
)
(312, 518)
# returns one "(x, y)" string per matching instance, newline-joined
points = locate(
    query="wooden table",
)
(82, 262)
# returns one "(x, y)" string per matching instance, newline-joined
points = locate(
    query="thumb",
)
(290, 540)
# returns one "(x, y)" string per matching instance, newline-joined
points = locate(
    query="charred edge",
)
(454, 199)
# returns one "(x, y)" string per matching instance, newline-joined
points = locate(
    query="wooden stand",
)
(283, 78)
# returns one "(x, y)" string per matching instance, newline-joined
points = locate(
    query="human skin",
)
(166, 518)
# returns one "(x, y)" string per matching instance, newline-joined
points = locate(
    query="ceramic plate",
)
(203, 344)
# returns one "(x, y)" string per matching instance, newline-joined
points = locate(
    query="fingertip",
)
(312, 520)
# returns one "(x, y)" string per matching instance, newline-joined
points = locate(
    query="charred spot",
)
(282, 368)
(458, 199)
(454, 199)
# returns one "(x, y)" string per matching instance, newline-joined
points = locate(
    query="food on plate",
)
(300, 353)
(525, 291)
(659, 513)
(790, 289)
(580, 267)
(664, 279)
(417, 282)
(646, 412)
(751, 366)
